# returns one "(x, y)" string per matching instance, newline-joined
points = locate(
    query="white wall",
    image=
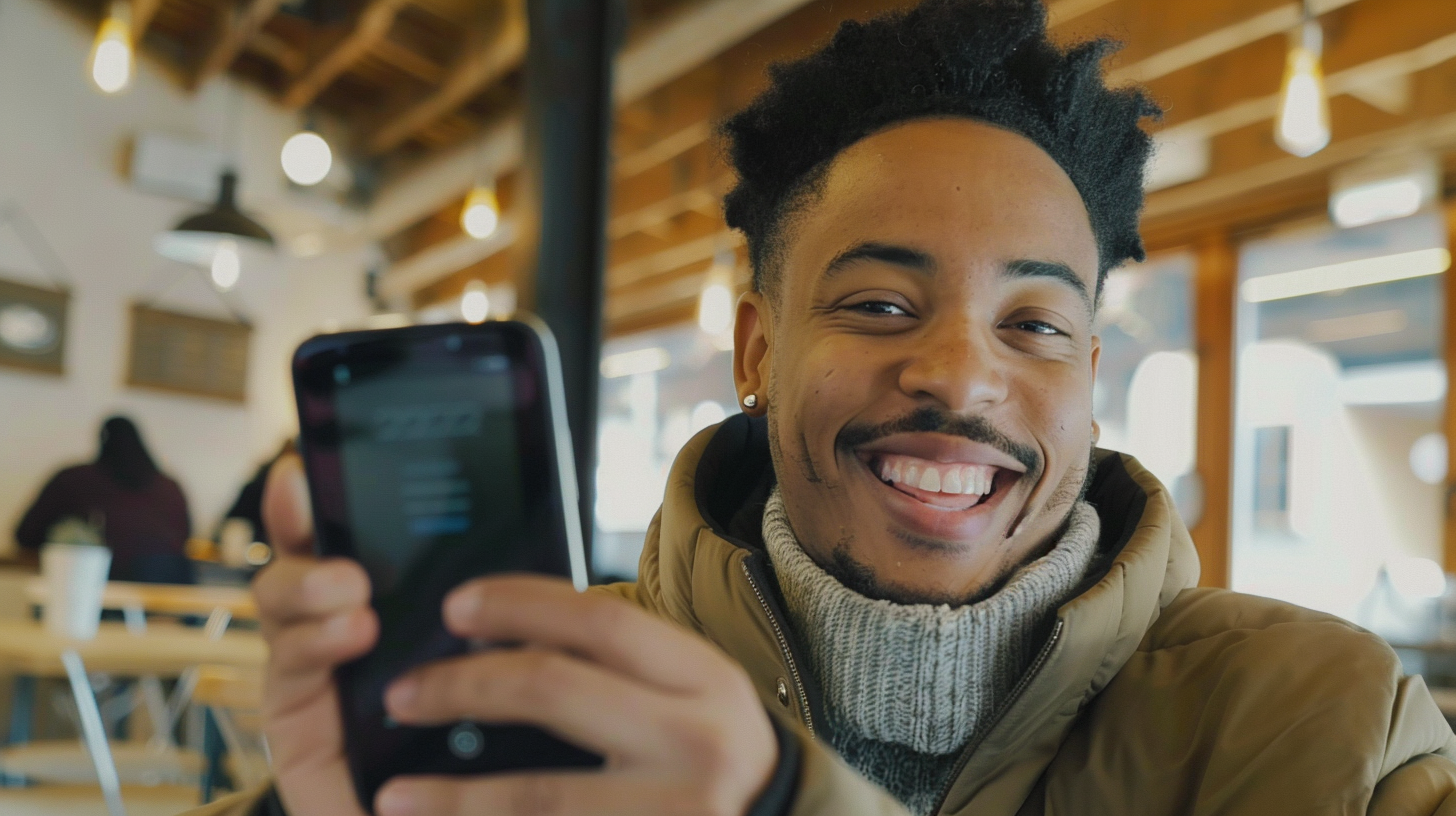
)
(61, 145)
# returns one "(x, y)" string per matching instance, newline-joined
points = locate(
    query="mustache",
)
(930, 419)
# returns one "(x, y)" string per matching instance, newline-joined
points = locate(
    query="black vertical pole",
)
(563, 209)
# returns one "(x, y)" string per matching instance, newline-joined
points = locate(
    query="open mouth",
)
(943, 485)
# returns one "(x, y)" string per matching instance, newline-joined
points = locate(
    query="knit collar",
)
(922, 676)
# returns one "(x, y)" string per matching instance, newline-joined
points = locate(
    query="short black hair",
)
(989, 60)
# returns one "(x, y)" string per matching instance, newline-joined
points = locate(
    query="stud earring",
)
(750, 401)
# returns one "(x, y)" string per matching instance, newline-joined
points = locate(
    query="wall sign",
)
(32, 327)
(187, 354)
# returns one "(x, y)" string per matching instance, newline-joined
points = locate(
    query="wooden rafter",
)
(235, 28)
(412, 196)
(487, 56)
(370, 26)
(142, 12)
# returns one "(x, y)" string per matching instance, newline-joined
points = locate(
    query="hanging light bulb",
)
(306, 158)
(475, 303)
(227, 265)
(111, 54)
(715, 302)
(1303, 126)
(481, 213)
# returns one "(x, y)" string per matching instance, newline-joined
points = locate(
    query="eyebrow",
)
(912, 259)
(919, 261)
(1026, 268)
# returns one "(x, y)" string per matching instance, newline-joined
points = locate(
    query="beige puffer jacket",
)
(1150, 697)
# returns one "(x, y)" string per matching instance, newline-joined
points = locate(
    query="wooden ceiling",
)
(424, 83)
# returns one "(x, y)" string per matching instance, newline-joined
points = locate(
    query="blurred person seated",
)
(248, 506)
(904, 580)
(133, 508)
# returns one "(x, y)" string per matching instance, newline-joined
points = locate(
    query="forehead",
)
(963, 191)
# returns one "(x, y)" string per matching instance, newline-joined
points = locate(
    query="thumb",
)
(286, 511)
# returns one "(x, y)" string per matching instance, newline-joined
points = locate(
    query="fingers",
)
(583, 704)
(318, 646)
(295, 589)
(549, 612)
(286, 511)
(540, 794)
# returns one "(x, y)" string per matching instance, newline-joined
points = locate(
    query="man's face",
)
(926, 361)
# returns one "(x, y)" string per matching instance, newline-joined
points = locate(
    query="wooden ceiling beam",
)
(409, 61)
(142, 12)
(488, 54)
(705, 30)
(370, 26)
(236, 26)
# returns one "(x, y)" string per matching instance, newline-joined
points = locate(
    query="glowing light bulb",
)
(1303, 126)
(306, 158)
(227, 265)
(481, 214)
(715, 302)
(111, 54)
(715, 308)
(475, 303)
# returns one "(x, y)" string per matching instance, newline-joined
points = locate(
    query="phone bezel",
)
(529, 345)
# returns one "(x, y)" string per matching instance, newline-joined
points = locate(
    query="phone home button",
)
(466, 741)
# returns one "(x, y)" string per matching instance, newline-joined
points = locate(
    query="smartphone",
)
(436, 454)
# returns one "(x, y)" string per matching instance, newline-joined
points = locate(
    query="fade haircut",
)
(988, 60)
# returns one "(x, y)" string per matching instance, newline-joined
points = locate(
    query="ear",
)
(752, 341)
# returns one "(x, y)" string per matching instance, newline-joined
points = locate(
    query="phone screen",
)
(429, 463)
(433, 457)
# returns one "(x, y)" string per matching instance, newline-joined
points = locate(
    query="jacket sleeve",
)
(1419, 769)
(49, 507)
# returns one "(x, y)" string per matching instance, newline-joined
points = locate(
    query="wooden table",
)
(158, 650)
(165, 599)
(166, 650)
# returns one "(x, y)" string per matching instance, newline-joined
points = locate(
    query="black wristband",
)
(778, 796)
(270, 804)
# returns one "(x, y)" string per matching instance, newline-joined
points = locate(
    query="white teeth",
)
(936, 477)
(952, 481)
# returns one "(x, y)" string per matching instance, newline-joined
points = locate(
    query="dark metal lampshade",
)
(195, 240)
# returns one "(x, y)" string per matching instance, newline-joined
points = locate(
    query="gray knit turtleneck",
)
(907, 687)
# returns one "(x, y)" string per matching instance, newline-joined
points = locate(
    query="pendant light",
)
(481, 214)
(1303, 124)
(215, 239)
(112, 57)
(306, 156)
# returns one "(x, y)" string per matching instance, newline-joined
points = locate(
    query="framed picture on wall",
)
(33, 327)
(187, 354)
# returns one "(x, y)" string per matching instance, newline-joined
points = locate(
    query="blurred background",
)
(1280, 361)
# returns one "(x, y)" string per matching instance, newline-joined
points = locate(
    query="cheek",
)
(831, 382)
(1059, 411)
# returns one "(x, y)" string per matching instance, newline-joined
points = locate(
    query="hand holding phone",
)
(436, 454)
(680, 722)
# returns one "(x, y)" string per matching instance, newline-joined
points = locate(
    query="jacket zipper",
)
(1016, 693)
(783, 647)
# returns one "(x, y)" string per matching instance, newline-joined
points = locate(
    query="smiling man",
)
(904, 580)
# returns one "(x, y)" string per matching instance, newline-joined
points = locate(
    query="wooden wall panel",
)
(1214, 284)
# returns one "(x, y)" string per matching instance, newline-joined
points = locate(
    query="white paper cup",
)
(75, 576)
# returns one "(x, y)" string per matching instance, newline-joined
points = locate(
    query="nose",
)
(955, 364)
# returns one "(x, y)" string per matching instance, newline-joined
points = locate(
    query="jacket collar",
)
(708, 537)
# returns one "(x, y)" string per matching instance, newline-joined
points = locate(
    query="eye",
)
(1037, 327)
(879, 307)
